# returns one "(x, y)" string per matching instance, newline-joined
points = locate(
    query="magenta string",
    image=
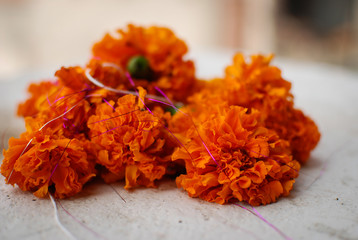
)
(48, 101)
(96, 58)
(80, 222)
(258, 215)
(164, 95)
(130, 79)
(270, 224)
(132, 83)
(164, 103)
(196, 129)
(71, 94)
(57, 93)
(108, 104)
(267, 157)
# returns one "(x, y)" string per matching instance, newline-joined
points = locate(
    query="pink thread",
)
(154, 100)
(96, 58)
(108, 104)
(257, 214)
(130, 79)
(70, 94)
(270, 224)
(201, 139)
(58, 93)
(79, 222)
(63, 114)
(132, 82)
(164, 95)
(48, 100)
(269, 158)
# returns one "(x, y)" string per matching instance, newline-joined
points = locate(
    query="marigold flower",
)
(245, 162)
(132, 142)
(59, 154)
(164, 52)
(258, 85)
(270, 93)
(50, 161)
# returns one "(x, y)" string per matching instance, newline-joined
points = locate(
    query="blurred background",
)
(38, 35)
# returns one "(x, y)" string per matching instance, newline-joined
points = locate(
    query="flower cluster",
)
(157, 55)
(238, 138)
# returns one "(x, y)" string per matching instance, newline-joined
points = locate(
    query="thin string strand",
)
(270, 224)
(196, 129)
(80, 222)
(8, 180)
(105, 100)
(123, 92)
(57, 219)
(132, 82)
(60, 159)
(63, 114)
(115, 190)
(258, 215)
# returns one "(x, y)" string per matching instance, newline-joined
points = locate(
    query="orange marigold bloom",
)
(132, 142)
(50, 161)
(258, 85)
(40, 95)
(247, 162)
(55, 116)
(270, 93)
(164, 53)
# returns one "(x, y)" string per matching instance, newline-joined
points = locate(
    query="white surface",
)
(323, 204)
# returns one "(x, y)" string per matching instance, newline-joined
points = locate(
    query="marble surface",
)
(323, 204)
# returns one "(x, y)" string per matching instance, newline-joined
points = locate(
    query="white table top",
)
(323, 204)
